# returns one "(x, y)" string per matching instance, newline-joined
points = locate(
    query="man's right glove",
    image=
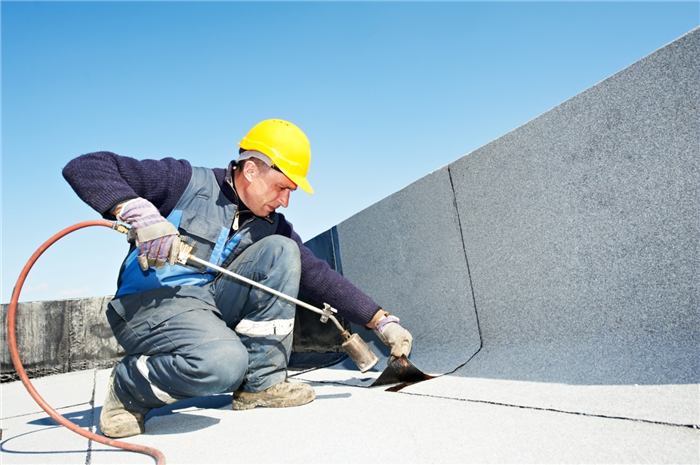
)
(157, 239)
(394, 335)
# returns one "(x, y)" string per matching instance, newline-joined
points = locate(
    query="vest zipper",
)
(235, 226)
(235, 222)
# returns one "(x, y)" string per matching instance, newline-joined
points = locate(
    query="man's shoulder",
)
(220, 173)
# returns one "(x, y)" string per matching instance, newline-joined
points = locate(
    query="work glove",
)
(156, 238)
(394, 336)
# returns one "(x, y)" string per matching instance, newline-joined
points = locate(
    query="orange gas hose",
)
(12, 340)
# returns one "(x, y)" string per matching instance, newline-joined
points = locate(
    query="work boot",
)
(284, 394)
(116, 421)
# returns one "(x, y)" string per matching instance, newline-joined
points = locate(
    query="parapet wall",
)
(582, 231)
(565, 251)
(60, 336)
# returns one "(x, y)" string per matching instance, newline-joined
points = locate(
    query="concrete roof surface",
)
(444, 420)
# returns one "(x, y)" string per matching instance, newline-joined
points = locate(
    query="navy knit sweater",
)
(103, 180)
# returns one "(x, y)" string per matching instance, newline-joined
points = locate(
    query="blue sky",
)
(386, 93)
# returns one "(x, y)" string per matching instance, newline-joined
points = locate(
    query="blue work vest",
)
(204, 216)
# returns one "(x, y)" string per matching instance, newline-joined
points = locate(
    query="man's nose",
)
(284, 198)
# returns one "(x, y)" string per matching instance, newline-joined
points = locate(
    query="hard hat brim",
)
(302, 183)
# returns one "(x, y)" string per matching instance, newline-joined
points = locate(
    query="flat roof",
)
(449, 419)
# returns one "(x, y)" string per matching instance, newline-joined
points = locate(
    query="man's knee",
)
(284, 250)
(217, 365)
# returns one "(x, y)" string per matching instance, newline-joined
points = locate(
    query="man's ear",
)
(250, 170)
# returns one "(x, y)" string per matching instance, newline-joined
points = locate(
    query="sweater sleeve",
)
(323, 284)
(104, 180)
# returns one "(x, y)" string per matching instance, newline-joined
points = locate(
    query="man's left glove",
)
(157, 239)
(394, 335)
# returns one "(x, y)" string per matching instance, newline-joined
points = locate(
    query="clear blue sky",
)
(386, 92)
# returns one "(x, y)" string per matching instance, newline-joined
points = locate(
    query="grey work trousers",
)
(188, 341)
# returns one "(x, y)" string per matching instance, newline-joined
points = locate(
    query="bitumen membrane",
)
(449, 419)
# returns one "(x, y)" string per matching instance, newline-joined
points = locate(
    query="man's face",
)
(267, 192)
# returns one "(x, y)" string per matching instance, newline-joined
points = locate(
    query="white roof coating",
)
(423, 423)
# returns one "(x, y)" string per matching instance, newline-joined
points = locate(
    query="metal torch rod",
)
(266, 289)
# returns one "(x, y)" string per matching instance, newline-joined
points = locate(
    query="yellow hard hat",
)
(287, 147)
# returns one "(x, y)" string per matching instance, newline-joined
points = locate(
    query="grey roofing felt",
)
(550, 278)
(415, 266)
(581, 226)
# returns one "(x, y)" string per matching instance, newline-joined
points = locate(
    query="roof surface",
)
(444, 420)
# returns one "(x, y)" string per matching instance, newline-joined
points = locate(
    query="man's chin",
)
(263, 212)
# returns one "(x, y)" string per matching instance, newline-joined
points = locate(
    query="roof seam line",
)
(567, 412)
(41, 411)
(466, 259)
(91, 425)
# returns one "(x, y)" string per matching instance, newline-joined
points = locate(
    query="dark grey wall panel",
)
(59, 336)
(310, 334)
(582, 229)
(406, 252)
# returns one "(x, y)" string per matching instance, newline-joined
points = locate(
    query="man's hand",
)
(394, 335)
(157, 239)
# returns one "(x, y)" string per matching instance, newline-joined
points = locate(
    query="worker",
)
(189, 331)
